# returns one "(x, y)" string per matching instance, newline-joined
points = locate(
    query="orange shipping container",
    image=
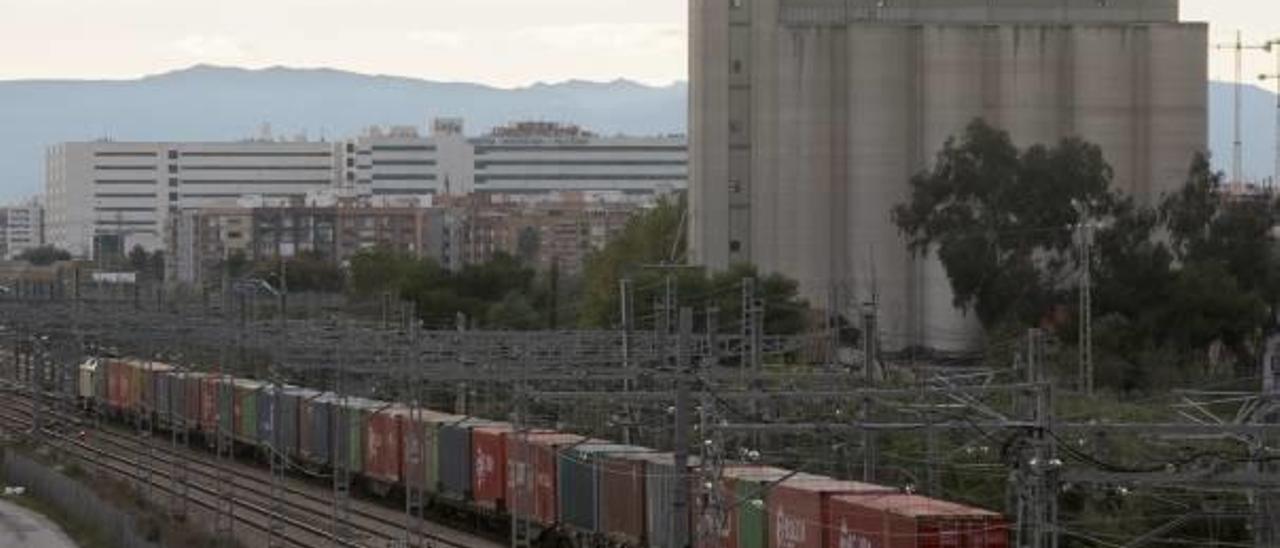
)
(622, 498)
(489, 466)
(532, 477)
(800, 509)
(912, 521)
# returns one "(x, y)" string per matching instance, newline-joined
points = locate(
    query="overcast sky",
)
(501, 42)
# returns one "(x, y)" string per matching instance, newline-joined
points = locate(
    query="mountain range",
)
(220, 103)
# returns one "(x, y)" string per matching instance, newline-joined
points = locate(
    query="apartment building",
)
(131, 190)
(204, 239)
(21, 228)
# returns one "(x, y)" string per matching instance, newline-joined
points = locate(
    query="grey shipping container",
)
(661, 479)
(163, 395)
(318, 421)
(455, 458)
(579, 479)
(268, 399)
(291, 418)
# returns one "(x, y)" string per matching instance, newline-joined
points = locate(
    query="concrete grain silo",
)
(808, 118)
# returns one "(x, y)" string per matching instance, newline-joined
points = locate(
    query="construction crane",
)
(1273, 46)
(1237, 143)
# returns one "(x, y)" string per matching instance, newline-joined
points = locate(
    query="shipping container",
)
(912, 521)
(209, 404)
(580, 478)
(623, 497)
(489, 466)
(163, 397)
(292, 424)
(433, 425)
(176, 388)
(224, 394)
(661, 479)
(193, 385)
(383, 454)
(455, 457)
(245, 409)
(271, 401)
(316, 429)
(800, 509)
(533, 472)
(85, 379)
(350, 415)
(151, 393)
(742, 493)
(124, 385)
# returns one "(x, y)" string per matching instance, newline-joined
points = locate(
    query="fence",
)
(118, 528)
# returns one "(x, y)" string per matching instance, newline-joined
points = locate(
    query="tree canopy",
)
(43, 255)
(1196, 270)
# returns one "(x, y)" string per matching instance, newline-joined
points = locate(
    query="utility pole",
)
(1266, 502)
(870, 457)
(628, 316)
(1237, 144)
(1084, 235)
(680, 502)
(1038, 466)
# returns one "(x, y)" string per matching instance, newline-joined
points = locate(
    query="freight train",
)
(578, 491)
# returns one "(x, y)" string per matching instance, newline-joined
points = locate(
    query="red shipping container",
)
(800, 509)
(489, 466)
(191, 413)
(532, 478)
(209, 404)
(383, 455)
(622, 498)
(912, 521)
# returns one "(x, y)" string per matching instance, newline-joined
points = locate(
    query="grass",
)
(83, 534)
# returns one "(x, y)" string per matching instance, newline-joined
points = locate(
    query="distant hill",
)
(217, 103)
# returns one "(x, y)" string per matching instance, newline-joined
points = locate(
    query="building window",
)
(737, 66)
(173, 196)
(735, 186)
(735, 4)
(351, 147)
(173, 182)
(735, 246)
(735, 126)
(173, 155)
(173, 168)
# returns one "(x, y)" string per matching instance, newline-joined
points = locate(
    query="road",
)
(20, 527)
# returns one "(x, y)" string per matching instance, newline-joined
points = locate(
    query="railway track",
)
(371, 526)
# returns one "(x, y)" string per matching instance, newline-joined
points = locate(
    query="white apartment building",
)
(21, 228)
(129, 189)
(539, 158)
(132, 189)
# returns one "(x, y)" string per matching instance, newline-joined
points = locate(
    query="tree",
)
(1002, 221)
(43, 255)
(648, 240)
(528, 245)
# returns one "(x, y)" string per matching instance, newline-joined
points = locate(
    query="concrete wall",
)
(843, 115)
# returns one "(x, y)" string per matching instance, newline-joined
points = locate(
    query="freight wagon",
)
(585, 492)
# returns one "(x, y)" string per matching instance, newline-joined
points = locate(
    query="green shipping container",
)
(246, 410)
(753, 523)
(226, 406)
(355, 416)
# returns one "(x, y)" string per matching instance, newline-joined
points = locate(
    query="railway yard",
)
(335, 431)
